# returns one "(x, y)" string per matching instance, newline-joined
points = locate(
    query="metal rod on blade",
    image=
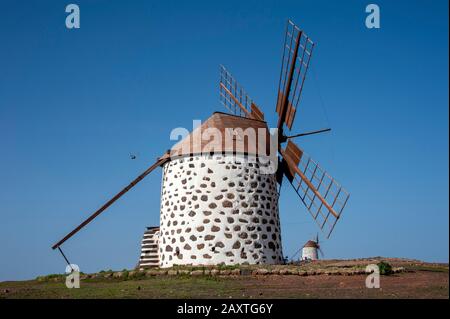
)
(310, 133)
(65, 258)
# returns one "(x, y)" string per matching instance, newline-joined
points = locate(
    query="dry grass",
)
(421, 280)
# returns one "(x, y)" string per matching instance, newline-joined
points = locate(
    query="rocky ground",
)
(320, 279)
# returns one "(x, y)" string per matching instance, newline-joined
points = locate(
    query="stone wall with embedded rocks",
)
(218, 209)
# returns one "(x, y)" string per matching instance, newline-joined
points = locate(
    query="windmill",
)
(311, 249)
(219, 200)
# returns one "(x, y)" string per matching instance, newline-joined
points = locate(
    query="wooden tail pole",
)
(160, 161)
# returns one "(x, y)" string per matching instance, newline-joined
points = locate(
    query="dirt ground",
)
(420, 284)
(418, 280)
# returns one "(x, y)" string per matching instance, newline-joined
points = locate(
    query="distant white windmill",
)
(311, 249)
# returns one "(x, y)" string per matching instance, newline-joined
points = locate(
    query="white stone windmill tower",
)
(311, 249)
(219, 194)
(220, 204)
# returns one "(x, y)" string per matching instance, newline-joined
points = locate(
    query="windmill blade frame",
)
(158, 163)
(297, 53)
(321, 252)
(235, 99)
(323, 196)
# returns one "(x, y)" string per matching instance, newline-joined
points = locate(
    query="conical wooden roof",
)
(203, 140)
(311, 243)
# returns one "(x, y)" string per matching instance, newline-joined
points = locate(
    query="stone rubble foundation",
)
(235, 272)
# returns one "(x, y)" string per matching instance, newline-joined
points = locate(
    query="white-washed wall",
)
(218, 209)
(309, 253)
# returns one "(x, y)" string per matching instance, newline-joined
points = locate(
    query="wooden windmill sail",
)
(320, 193)
(323, 197)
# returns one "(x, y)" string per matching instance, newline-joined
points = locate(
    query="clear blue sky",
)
(75, 103)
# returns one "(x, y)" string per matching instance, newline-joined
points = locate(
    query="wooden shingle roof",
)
(225, 133)
(311, 243)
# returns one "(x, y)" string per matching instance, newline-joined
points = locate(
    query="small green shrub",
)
(51, 277)
(385, 268)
